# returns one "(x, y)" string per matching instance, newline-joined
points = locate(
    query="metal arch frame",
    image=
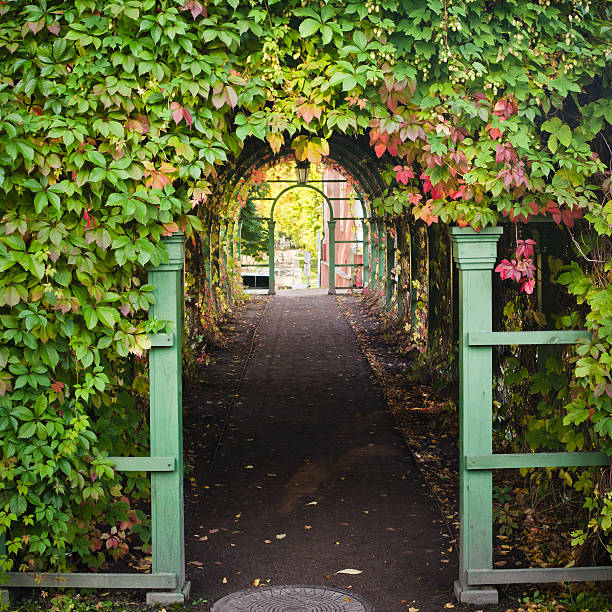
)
(300, 186)
(364, 169)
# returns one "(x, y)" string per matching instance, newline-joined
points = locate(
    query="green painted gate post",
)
(375, 255)
(382, 255)
(271, 262)
(239, 243)
(165, 379)
(206, 255)
(332, 257)
(365, 260)
(475, 254)
(390, 263)
(224, 257)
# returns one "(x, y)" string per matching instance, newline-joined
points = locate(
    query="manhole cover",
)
(292, 599)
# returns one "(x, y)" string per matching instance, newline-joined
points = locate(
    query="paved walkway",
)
(312, 477)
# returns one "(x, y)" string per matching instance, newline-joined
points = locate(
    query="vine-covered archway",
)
(124, 122)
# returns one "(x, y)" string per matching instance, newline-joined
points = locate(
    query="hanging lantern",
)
(301, 171)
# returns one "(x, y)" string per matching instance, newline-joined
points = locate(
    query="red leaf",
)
(187, 116)
(177, 112)
(380, 148)
(36, 26)
(231, 96)
(403, 174)
(528, 286)
(415, 198)
(54, 28)
(195, 7)
(139, 123)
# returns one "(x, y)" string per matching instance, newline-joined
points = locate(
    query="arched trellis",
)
(355, 160)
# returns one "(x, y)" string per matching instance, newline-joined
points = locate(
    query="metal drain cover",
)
(292, 599)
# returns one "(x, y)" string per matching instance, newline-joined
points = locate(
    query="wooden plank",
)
(163, 340)
(526, 337)
(143, 464)
(538, 574)
(535, 460)
(91, 581)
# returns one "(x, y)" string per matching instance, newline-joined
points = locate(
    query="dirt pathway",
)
(311, 477)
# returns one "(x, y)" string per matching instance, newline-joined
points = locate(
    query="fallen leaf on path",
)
(349, 571)
(449, 605)
(280, 536)
(312, 503)
(224, 581)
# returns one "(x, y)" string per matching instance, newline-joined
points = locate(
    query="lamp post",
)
(301, 171)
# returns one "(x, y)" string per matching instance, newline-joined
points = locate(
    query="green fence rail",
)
(475, 255)
(166, 581)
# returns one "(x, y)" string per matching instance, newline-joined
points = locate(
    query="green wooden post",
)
(206, 256)
(382, 255)
(475, 254)
(390, 263)
(168, 541)
(365, 269)
(332, 257)
(374, 255)
(239, 243)
(271, 262)
(224, 271)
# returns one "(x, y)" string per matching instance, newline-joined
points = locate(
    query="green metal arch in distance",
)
(350, 154)
(304, 186)
(271, 223)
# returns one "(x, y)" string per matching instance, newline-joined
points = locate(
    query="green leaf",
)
(96, 158)
(564, 134)
(107, 315)
(359, 38)
(40, 202)
(553, 143)
(97, 175)
(18, 504)
(308, 27)
(27, 430)
(90, 316)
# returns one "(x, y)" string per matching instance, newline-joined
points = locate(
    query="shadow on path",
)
(311, 476)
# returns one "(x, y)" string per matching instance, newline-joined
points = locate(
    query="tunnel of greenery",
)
(126, 121)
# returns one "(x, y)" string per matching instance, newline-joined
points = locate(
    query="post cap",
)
(475, 250)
